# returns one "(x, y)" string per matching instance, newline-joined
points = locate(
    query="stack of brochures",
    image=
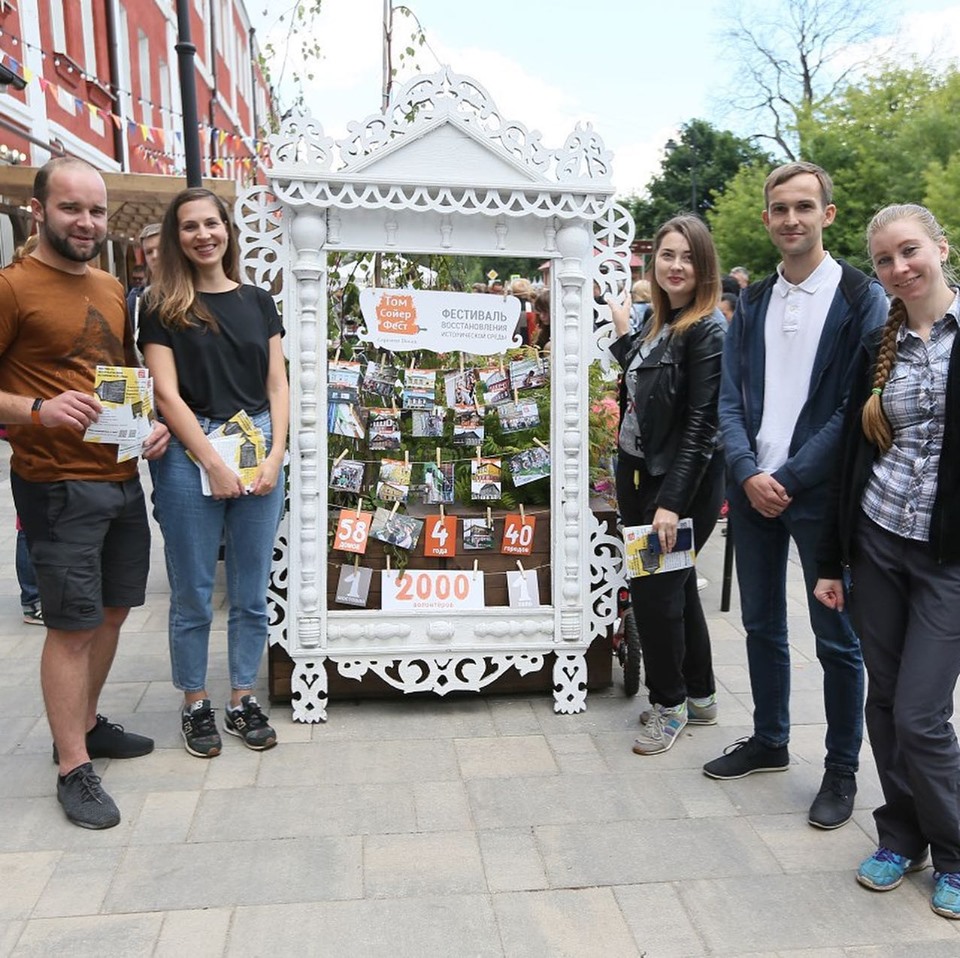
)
(241, 445)
(126, 409)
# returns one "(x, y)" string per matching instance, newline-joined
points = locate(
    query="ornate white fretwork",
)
(440, 170)
(570, 683)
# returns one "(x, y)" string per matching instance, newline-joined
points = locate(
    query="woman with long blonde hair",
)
(895, 524)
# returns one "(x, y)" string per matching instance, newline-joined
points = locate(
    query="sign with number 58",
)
(353, 531)
(429, 590)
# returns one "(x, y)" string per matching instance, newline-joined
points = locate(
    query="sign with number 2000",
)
(419, 590)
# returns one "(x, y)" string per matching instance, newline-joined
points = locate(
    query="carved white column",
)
(573, 244)
(308, 233)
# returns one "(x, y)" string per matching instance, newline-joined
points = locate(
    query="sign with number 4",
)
(440, 536)
(353, 531)
(518, 535)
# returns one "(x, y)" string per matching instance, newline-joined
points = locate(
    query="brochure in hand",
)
(241, 445)
(126, 413)
(644, 556)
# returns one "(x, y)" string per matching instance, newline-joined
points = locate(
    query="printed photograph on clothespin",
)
(428, 423)
(496, 385)
(530, 465)
(527, 374)
(437, 486)
(461, 387)
(477, 533)
(395, 528)
(353, 586)
(468, 425)
(343, 382)
(346, 419)
(383, 426)
(346, 475)
(486, 478)
(419, 388)
(393, 484)
(517, 416)
(381, 379)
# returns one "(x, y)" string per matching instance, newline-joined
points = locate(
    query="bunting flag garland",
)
(235, 148)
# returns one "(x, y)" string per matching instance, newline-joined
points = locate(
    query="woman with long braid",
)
(896, 526)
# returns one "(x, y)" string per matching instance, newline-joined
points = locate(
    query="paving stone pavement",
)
(470, 826)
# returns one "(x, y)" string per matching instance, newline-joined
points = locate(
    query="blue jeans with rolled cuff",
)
(193, 527)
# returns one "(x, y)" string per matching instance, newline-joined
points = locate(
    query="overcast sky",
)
(636, 69)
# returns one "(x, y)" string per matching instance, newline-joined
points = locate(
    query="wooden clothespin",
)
(406, 457)
(541, 444)
(476, 567)
(438, 457)
(523, 516)
(441, 512)
(359, 507)
(520, 567)
(489, 517)
(339, 458)
(336, 356)
(396, 506)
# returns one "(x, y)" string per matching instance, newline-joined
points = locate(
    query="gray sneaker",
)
(199, 730)
(84, 801)
(250, 724)
(702, 712)
(660, 731)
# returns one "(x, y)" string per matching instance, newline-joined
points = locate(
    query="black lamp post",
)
(186, 52)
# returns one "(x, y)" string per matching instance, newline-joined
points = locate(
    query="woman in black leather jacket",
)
(669, 467)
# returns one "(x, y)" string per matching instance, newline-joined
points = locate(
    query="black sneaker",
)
(250, 724)
(833, 805)
(109, 740)
(32, 614)
(84, 801)
(746, 757)
(199, 730)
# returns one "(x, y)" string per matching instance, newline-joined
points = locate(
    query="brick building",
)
(99, 79)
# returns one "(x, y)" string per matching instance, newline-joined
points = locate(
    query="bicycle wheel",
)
(631, 661)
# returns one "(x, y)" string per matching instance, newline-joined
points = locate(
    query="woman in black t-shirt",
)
(213, 348)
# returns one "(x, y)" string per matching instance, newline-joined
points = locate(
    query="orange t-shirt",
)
(55, 329)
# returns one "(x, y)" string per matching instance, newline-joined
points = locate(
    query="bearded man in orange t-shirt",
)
(83, 513)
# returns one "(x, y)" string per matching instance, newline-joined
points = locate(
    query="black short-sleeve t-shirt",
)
(220, 373)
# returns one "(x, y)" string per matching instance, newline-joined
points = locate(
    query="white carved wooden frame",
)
(440, 171)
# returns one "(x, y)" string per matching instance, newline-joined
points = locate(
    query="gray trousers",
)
(906, 609)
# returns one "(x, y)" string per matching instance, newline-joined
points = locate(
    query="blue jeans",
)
(762, 547)
(29, 593)
(193, 526)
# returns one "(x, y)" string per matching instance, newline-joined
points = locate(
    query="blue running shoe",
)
(884, 869)
(946, 894)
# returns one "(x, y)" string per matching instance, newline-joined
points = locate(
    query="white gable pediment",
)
(445, 152)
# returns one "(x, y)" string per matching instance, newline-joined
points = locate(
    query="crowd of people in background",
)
(817, 401)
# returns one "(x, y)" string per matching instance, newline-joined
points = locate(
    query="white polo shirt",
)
(792, 330)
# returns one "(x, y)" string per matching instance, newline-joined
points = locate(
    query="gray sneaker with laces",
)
(84, 801)
(199, 730)
(660, 731)
(249, 723)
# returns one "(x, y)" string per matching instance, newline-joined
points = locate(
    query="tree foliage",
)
(791, 57)
(692, 175)
(890, 139)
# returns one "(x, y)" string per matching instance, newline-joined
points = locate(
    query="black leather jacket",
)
(678, 385)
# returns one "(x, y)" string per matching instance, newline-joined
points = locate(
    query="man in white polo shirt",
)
(785, 381)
